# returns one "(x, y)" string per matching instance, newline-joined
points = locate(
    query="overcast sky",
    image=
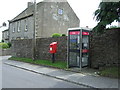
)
(83, 8)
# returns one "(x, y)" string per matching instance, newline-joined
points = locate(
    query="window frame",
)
(26, 25)
(18, 26)
(13, 27)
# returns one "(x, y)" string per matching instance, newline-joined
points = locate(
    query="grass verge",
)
(110, 72)
(57, 64)
(113, 72)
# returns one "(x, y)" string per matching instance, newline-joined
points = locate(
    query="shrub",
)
(2, 41)
(9, 44)
(56, 35)
(114, 26)
(4, 45)
(63, 35)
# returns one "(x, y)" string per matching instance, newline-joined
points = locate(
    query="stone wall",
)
(43, 48)
(119, 47)
(104, 49)
(4, 52)
(23, 48)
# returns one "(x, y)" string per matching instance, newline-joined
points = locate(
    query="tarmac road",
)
(13, 77)
(23, 75)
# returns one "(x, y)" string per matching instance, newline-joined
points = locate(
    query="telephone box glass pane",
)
(85, 47)
(74, 48)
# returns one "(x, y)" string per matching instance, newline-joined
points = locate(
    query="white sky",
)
(83, 8)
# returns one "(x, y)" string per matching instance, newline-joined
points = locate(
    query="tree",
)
(107, 13)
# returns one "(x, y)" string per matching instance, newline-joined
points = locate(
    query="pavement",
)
(85, 79)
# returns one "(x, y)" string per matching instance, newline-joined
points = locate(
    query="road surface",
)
(13, 77)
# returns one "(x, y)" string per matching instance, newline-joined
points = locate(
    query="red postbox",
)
(53, 47)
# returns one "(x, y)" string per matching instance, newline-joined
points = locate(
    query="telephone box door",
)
(74, 48)
(78, 48)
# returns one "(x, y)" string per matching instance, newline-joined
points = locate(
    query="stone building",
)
(51, 17)
(118, 24)
(5, 36)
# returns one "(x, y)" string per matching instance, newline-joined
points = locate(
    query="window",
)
(18, 26)
(13, 28)
(26, 26)
(3, 35)
(7, 34)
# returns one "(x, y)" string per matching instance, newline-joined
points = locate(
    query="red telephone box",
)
(53, 47)
(78, 47)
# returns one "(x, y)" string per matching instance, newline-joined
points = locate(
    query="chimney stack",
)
(30, 4)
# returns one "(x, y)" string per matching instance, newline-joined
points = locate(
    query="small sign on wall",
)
(60, 11)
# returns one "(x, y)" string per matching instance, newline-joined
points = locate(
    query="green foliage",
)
(4, 45)
(9, 44)
(110, 72)
(2, 41)
(107, 13)
(63, 35)
(113, 26)
(57, 64)
(56, 35)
